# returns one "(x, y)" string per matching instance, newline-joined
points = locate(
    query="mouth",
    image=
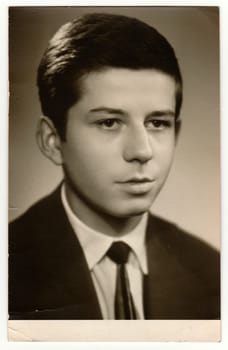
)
(137, 185)
(138, 180)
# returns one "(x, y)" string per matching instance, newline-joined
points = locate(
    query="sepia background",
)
(191, 196)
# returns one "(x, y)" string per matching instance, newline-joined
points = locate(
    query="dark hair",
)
(91, 43)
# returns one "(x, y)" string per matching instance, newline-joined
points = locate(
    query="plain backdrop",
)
(191, 196)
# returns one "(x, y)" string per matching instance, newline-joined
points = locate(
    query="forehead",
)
(124, 86)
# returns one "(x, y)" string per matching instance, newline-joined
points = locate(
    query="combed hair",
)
(91, 43)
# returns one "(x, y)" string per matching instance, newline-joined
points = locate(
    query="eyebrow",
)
(156, 113)
(108, 110)
(162, 113)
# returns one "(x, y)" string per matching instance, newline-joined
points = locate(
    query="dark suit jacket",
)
(49, 276)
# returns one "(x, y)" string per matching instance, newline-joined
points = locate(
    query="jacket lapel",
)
(67, 270)
(171, 289)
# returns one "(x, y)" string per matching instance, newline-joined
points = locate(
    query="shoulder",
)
(176, 237)
(191, 251)
(42, 247)
(35, 222)
(188, 267)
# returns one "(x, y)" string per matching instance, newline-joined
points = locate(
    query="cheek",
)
(165, 155)
(86, 161)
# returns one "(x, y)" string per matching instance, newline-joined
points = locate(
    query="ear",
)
(48, 140)
(178, 124)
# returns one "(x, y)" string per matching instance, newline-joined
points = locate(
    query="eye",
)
(109, 124)
(158, 124)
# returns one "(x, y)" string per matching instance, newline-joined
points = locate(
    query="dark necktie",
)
(124, 306)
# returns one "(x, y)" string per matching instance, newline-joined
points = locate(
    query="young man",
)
(111, 91)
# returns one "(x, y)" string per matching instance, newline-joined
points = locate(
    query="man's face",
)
(120, 140)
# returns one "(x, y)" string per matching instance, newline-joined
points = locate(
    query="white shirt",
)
(103, 270)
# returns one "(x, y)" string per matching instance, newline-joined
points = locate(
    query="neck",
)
(97, 219)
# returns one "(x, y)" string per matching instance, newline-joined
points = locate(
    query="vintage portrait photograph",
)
(114, 170)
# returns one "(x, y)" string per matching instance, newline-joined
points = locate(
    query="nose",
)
(138, 145)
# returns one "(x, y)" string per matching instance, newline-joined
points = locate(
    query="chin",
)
(138, 213)
(134, 210)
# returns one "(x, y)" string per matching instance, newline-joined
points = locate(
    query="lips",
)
(137, 180)
(137, 185)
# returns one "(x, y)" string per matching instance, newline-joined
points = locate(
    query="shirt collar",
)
(96, 244)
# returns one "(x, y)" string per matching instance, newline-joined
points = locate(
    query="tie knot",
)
(119, 252)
